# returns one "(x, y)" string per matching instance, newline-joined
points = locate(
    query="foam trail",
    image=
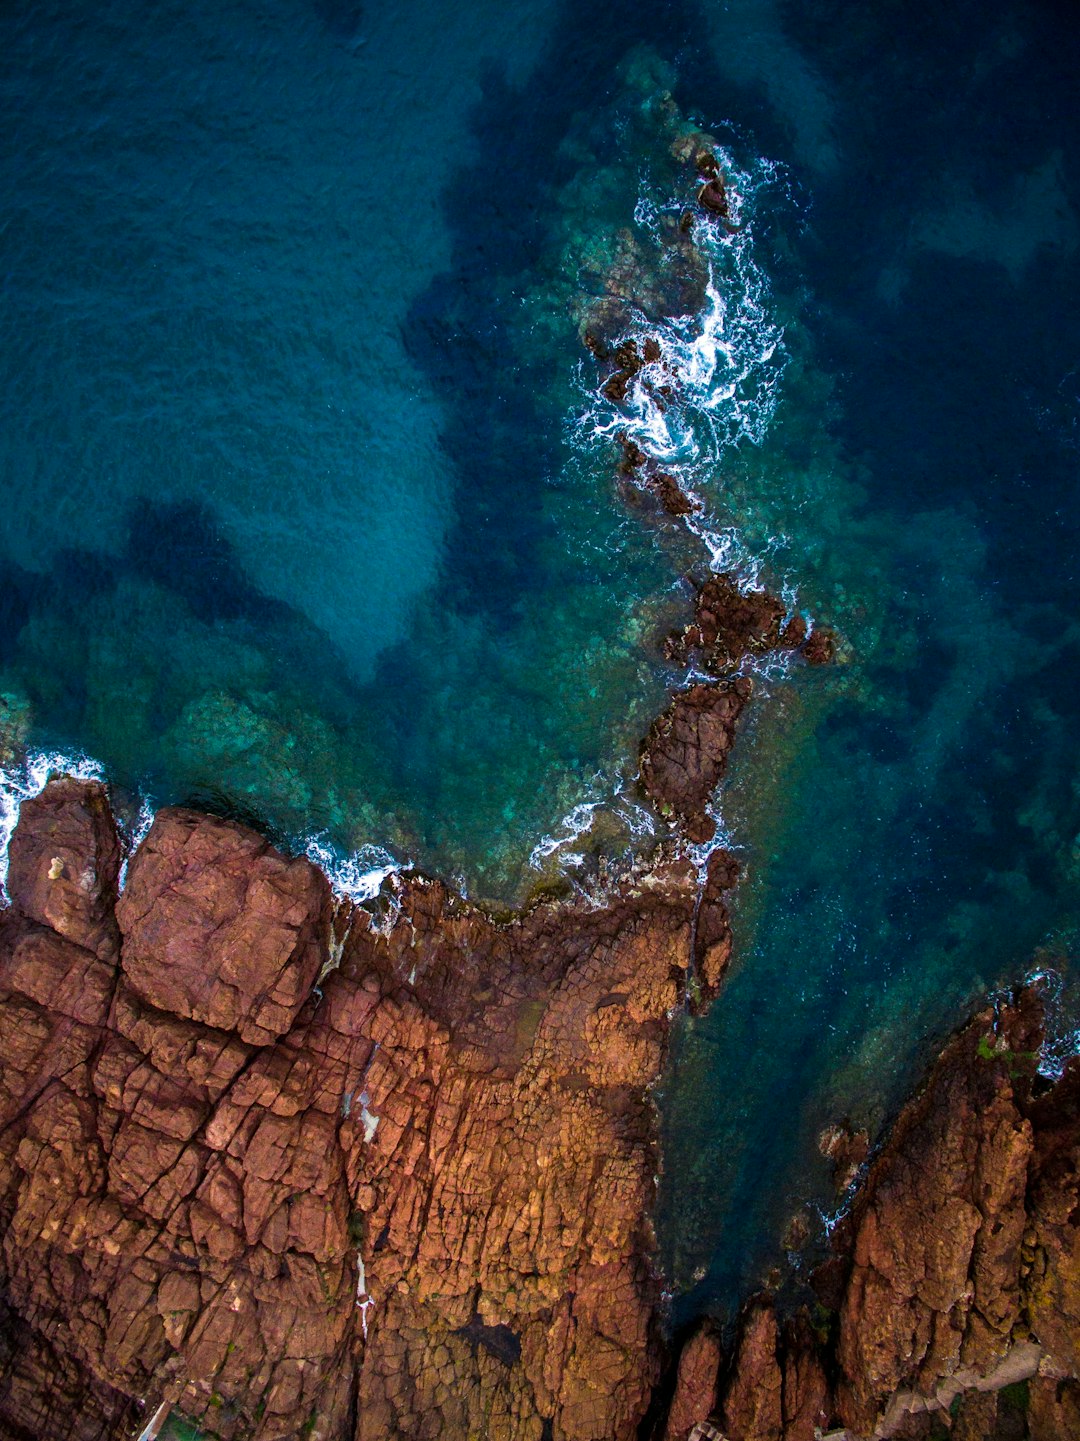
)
(572, 825)
(723, 365)
(21, 782)
(716, 383)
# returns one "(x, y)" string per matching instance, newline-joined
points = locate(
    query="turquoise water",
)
(309, 510)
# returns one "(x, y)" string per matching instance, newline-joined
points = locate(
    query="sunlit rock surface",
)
(396, 1203)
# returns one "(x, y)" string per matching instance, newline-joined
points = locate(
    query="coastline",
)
(293, 1168)
(427, 1137)
(474, 1240)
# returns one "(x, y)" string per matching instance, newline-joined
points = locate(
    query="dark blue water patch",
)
(344, 19)
(180, 545)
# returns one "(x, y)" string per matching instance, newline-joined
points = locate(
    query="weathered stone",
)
(64, 861)
(218, 927)
(696, 1385)
(752, 1407)
(425, 1203)
(684, 756)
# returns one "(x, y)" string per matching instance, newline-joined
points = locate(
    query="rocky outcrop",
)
(685, 754)
(409, 1199)
(64, 861)
(954, 1276)
(220, 928)
(416, 1204)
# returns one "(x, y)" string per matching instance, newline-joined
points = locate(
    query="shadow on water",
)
(180, 545)
(125, 647)
(342, 18)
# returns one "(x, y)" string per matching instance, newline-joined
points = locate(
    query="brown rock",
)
(712, 933)
(806, 1400)
(955, 1271)
(752, 1408)
(713, 196)
(424, 1204)
(671, 495)
(729, 623)
(696, 1384)
(1053, 1412)
(820, 649)
(1053, 1283)
(64, 861)
(684, 756)
(218, 927)
(847, 1149)
(937, 1235)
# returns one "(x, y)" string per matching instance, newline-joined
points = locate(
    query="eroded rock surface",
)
(409, 1201)
(955, 1276)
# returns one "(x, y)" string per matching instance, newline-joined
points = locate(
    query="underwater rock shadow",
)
(180, 546)
(341, 18)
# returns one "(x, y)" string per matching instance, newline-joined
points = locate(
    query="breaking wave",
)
(716, 381)
(358, 876)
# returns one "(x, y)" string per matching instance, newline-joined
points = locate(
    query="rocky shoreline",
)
(298, 1172)
(296, 1169)
(951, 1303)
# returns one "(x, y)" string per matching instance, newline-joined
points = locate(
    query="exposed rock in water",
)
(412, 1203)
(64, 861)
(685, 754)
(956, 1275)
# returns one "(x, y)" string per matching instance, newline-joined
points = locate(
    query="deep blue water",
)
(304, 513)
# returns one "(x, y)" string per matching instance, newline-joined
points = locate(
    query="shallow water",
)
(309, 511)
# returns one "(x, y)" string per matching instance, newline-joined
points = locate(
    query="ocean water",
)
(309, 511)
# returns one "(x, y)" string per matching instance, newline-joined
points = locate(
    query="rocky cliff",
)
(303, 1173)
(952, 1303)
(294, 1169)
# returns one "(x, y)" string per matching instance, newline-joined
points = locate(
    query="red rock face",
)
(220, 928)
(63, 863)
(935, 1282)
(695, 1388)
(410, 1204)
(956, 1271)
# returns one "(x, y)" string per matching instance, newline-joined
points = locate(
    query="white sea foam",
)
(716, 383)
(573, 825)
(27, 778)
(359, 877)
(724, 364)
(1062, 1034)
(138, 833)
